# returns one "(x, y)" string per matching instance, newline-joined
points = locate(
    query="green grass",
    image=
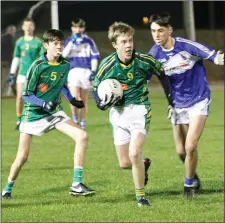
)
(41, 191)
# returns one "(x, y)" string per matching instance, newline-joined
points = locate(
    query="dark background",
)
(99, 15)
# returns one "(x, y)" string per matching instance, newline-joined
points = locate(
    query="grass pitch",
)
(41, 193)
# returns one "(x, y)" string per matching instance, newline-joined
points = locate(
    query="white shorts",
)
(44, 125)
(21, 79)
(183, 115)
(128, 121)
(79, 77)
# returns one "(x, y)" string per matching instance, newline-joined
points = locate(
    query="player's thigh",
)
(122, 152)
(195, 130)
(24, 145)
(75, 91)
(179, 135)
(72, 129)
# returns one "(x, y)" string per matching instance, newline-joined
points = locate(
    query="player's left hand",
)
(12, 80)
(77, 103)
(171, 111)
(92, 76)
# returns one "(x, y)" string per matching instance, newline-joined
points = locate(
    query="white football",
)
(108, 87)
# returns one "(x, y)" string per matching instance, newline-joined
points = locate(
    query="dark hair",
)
(162, 19)
(52, 34)
(78, 22)
(29, 20)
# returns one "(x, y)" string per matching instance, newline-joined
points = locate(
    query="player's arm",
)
(98, 78)
(67, 49)
(73, 101)
(157, 68)
(95, 56)
(14, 65)
(30, 88)
(204, 52)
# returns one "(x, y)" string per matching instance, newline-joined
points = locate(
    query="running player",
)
(183, 63)
(131, 116)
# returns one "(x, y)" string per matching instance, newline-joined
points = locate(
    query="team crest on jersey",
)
(23, 54)
(43, 87)
(124, 87)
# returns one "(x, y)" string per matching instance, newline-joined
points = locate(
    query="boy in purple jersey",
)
(183, 63)
(83, 55)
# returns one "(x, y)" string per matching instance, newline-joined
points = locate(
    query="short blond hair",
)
(118, 28)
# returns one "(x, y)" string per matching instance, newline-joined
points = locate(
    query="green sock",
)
(78, 174)
(139, 193)
(9, 186)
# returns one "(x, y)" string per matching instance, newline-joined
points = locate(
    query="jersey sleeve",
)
(17, 49)
(155, 67)
(99, 76)
(32, 79)
(152, 52)
(94, 50)
(198, 49)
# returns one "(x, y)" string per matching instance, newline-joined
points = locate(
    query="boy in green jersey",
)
(28, 48)
(130, 116)
(46, 79)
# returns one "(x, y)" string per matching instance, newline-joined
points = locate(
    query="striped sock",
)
(9, 186)
(139, 193)
(78, 174)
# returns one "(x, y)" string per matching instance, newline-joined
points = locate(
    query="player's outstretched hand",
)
(49, 105)
(77, 103)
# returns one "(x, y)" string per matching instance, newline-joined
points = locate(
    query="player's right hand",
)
(103, 106)
(12, 80)
(49, 105)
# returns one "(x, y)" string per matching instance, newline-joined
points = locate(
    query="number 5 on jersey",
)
(53, 76)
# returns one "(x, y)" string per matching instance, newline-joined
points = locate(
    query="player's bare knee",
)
(22, 159)
(191, 148)
(82, 136)
(134, 156)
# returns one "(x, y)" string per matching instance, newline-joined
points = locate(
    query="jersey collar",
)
(50, 63)
(129, 63)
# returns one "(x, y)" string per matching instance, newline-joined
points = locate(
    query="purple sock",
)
(189, 181)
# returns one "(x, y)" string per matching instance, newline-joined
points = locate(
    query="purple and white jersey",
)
(184, 66)
(81, 52)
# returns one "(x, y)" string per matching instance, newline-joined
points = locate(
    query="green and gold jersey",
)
(28, 52)
(132, 77)
(45, 80)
